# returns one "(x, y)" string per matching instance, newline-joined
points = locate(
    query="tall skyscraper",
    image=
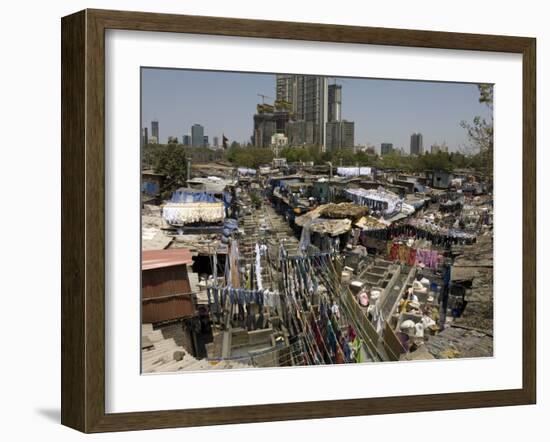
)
(197, 135)
(155, 130)
(308, 96)
(312, 105)
(334, 102)
(216, 142)
(205, 142)
(417, 147)
(386, 148)
(145, 136)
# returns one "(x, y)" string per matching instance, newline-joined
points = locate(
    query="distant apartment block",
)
(155, 130)
(417, 147)
(197, 135)
(386, 148)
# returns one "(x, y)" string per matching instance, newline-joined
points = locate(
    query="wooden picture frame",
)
(83, 219)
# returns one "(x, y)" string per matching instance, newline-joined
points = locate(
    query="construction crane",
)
(264, 97)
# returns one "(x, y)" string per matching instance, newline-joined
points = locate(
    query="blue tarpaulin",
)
(184, 196)
(150, 188)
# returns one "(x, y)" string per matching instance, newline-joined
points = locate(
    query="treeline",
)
(154, 155)
(170, 159)
(249, 156)
(254, 157)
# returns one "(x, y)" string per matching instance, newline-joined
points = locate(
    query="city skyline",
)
(383, 110)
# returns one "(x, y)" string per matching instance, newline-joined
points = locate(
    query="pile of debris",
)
(349, 211)
(343, 210)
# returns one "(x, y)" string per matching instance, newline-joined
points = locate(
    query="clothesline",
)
(445, 238)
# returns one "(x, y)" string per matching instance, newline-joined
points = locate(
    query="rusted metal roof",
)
(156, 259)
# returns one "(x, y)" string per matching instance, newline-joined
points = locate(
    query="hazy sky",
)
(383, 110)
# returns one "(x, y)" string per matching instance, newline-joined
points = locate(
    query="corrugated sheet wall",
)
(166, 294)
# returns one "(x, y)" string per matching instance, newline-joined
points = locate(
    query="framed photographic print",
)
(267, 221)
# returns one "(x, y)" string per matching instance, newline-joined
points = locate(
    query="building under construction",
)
(307, 110)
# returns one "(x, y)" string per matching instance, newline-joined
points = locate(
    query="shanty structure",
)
(165, 289)
(151, 182)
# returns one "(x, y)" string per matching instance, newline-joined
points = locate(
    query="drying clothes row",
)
(218, 296)
(298, 277)
(439, 239)
(433, 228)
(320, 330)
(411, 256)
(302, 275)
(331, 342)
(309, 256)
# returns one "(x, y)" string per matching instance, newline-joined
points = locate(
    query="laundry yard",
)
(295, 265)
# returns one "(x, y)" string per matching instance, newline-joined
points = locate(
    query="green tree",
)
(436, 161)
(249, 156)
(480, 131)
(170, 160)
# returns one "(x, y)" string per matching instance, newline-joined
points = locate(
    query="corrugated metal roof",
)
(156, 259)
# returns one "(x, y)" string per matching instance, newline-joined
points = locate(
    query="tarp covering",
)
(388, 203)
(376, 199)
(186, 196)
